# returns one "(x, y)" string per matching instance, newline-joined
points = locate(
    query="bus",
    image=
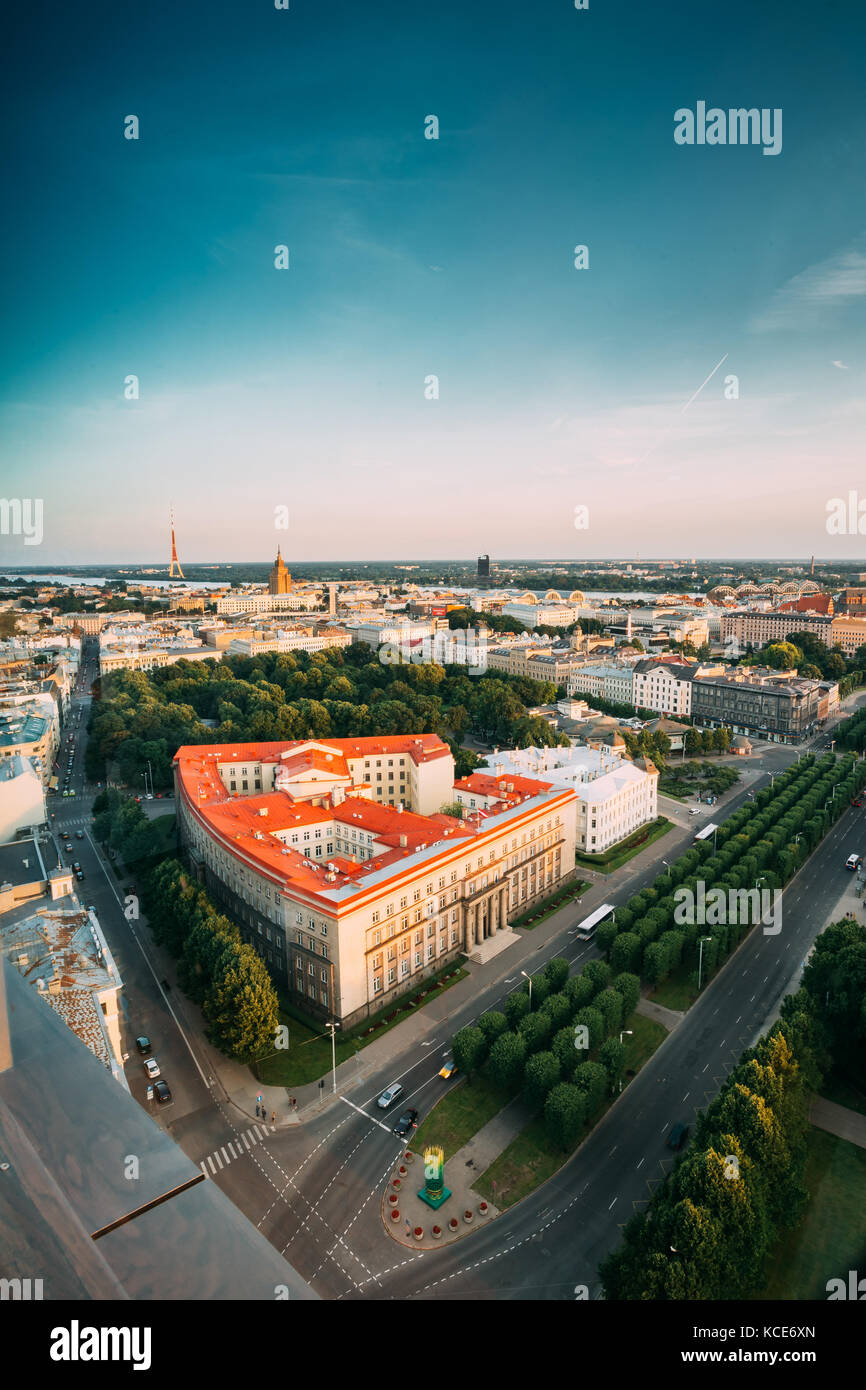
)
(586, 928)
(705, 834)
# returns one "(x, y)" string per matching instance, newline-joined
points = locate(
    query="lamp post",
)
(527, 977)
(667, 866)
(701, 941)
(333, 1030)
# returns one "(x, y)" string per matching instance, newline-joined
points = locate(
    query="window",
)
(392, 975)
(377, 984)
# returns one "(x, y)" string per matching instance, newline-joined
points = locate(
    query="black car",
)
(678, 1136)
(407, 1121)
(163, 1094)
(143, 1045)
(79, 874)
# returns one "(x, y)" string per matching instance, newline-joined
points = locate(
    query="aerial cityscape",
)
(433, 674)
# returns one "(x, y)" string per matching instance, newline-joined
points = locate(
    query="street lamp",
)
(667, 866)
(333, 1027)
(527, 977)
(701, 941)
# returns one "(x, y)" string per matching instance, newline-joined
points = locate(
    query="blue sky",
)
(412, 257)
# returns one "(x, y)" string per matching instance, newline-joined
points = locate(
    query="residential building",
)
(610, 682)
(778, 707)
(22, 797)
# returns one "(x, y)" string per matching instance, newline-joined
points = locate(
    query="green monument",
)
(434, 1192)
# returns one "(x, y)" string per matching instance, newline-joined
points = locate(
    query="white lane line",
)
(364, 1113)
(232, 1150)
(218, 1162)
(203, 1167)
(225, 1156)
(641, 1161)
(247, 1144)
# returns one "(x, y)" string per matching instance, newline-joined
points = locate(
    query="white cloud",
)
(841, 366)
(827, 286)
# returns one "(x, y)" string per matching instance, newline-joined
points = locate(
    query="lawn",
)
(617, 855)
(831, 1238)
(531, 1158)
(844, 1090)
(464, 1110)
(308, 1055)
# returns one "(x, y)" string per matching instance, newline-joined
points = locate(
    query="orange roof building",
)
(337, 862)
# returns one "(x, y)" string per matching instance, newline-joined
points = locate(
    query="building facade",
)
(352, 895)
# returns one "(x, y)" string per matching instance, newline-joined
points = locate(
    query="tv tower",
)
(174, 560)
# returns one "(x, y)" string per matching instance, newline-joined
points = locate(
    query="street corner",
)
(439, 1217)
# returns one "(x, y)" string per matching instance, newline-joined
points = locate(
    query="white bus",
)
(586, 928)
(705, 834)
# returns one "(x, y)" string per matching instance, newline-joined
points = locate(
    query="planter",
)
(396, 1184)
(436, 1233)
(393, 1198)
(453, 1224)
(395, 1215)
(408, 1156)
(483, 1209)
(402, 1170)
(418, 1233)
(468, 1217)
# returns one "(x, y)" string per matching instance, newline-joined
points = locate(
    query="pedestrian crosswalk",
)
(237, 1148)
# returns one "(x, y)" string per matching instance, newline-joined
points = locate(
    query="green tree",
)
(469, 1048)
(506, 1061)
(564, 1113)
(540, 1075)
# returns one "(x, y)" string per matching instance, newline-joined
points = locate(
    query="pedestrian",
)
(273, 1117)
(293, 1103)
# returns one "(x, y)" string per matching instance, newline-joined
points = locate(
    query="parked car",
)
(76, 866)
(143, 1045)
(389, 1095)
(151, 1066)
(79, 874)
(678, 1136)
(163, 1094)
(854, 861)
(407, 1121)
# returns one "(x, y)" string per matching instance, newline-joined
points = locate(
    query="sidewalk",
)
(838, 1120)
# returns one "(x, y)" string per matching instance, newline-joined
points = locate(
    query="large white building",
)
(293, 602)
(614, 797)
(336, 861)
(22, 797)
(603, 682)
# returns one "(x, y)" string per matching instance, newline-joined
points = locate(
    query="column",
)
(467, 936)
(494, 913)
(503, 908)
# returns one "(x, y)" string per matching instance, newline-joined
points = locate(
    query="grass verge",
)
(831, 1238)
(531, 1158)
(464, 1110)
(308, 1056)
(619, 854)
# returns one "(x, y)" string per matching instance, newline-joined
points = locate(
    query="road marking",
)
(218, 1163)
(203, 1167)
(641, 1161)
(611, 1204)
(231, 1148)
(371, 1118)
(212, 1166)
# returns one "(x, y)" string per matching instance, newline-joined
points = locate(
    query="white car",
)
(151, 1066)
(389, 1095)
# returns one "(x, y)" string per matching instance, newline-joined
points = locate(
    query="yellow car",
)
(449, 1069)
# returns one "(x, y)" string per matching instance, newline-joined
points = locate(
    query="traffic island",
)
(431, 1215)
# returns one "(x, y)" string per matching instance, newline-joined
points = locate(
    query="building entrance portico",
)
(485, 924)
